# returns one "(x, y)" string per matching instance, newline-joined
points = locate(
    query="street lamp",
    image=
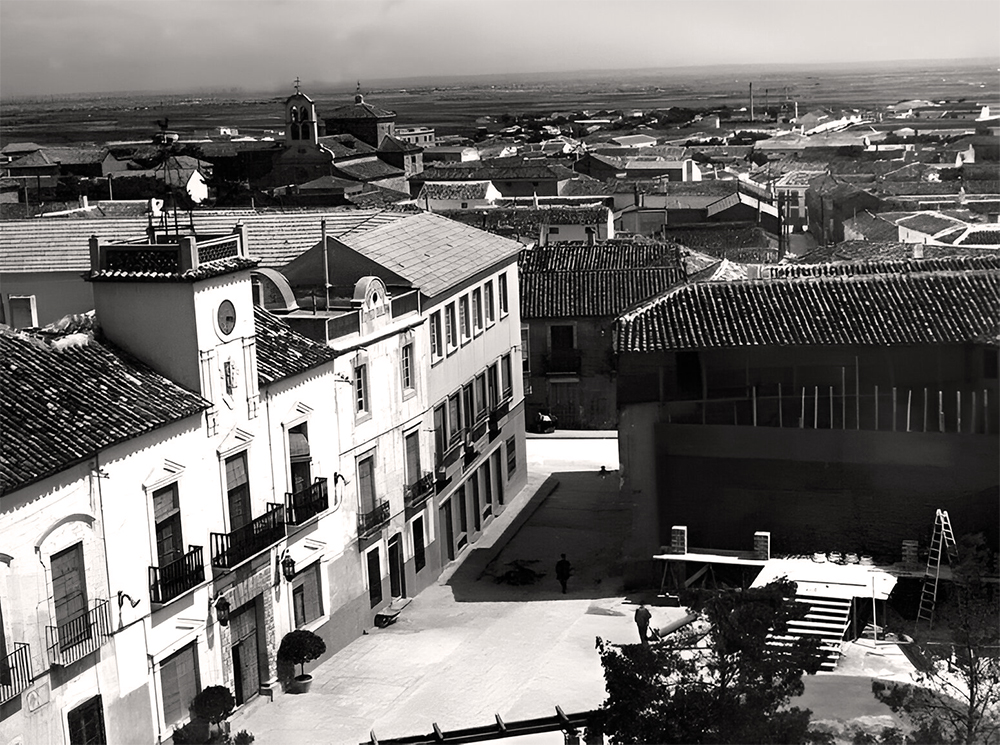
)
(288, 566)
(222, 610)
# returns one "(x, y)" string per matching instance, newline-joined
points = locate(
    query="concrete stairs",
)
(826, 619)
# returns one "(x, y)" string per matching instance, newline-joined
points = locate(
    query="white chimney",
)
(918, 250)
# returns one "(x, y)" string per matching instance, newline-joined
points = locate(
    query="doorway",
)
(246, 653)
(86, 723)
(397, 573)
(448, 530)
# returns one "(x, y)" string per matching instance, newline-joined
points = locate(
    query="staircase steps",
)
(827, 619)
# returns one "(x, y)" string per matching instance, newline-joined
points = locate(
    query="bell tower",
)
(300, 119)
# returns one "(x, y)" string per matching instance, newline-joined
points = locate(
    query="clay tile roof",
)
(454, 190)
(864, 309)
(576, 279)
(202, 271)
(282, 352)
(66, 397)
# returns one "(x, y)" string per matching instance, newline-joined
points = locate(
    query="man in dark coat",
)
(563, 570)
(642, 618)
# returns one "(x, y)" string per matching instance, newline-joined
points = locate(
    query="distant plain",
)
(452, 105)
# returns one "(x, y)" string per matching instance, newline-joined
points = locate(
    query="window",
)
(506, 387)
(23, 311)
(525, 350)
(437, 341)
(440, 431)
(374, 578)
(463, 317)
(454, 418)
(477, 310)
(477, 519)
(179, 683)
(450, 327)
(553, 231)
(561, 337)
(493, 385)
(490, 310)
(485, 471)
(406, 366)
(307, 598)
(361, 402)
(86, 723)
(299, 458)
(468, 405)
(419, 560)
(69, 594)
(463, 515)
(167, 515)
(465, 205)
(480, 396)
(511, 457)
(238, 491)
(411, 443)
(502, 284)
(366, 483)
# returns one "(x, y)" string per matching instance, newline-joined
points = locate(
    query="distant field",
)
(453, 106)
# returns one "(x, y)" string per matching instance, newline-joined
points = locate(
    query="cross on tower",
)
(297, 83)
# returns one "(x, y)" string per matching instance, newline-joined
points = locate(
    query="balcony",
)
(231, 549)
(307, 503)
(415, 495)
(177, 577)
(18, 672)
(369, 522)
(80, 636)
(562, 362)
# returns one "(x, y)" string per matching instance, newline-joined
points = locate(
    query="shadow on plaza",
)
(578, 513)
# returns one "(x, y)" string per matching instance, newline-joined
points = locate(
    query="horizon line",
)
(427, 80)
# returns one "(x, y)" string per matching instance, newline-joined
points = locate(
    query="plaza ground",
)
(469, 647)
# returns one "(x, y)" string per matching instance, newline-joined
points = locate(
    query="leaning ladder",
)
(942, 544)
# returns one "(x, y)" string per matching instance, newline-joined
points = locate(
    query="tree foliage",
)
(724, 683)
(956, 697)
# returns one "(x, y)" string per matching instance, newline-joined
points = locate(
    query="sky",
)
(56, 47)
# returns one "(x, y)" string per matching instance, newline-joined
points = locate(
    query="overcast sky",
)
(81, 46)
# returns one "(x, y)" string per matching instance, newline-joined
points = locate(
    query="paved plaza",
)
(468, 647)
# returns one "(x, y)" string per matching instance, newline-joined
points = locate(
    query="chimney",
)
(918, 250)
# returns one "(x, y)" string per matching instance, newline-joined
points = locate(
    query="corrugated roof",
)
(61, 244)
(864, 309)
(431, 251)
(65, 398)
(282, 352)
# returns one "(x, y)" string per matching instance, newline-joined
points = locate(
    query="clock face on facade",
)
(227, 317)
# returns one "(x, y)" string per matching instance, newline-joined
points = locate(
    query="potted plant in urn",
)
(299, 647)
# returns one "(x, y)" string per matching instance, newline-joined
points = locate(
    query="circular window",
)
(227, 317)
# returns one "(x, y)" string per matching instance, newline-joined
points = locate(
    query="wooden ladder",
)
(942, 545)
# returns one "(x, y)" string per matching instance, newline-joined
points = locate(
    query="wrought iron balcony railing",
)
(306, 503)
(78, 637)
(177, 577)
(416, 494)
(369, 522)
(230, 549)
(15, 672)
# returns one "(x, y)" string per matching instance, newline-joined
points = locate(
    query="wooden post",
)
(940, 411)
(986, 411)
(958, 412)
(909, 402)
(843, 397)
(894, 408)
(925, 409)
(972, 415)
(781, 422)
(831, 407)
(815, 407)
(802, 419)
(857, 392)
(876, 408)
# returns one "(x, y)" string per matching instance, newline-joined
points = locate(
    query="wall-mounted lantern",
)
(222, 610)
(288, 566)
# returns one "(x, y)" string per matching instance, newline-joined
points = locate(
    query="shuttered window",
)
(366, 483)
(412, 458)
(238, 488)
(167, 514)
(179, 683)
(69, 593)
(307, 598)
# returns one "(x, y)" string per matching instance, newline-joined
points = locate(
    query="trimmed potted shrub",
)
(211, 707)
(297, 648)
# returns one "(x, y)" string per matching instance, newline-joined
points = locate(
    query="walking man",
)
(642, 618)
(563, 570)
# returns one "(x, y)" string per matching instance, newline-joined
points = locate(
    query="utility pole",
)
(751, 101)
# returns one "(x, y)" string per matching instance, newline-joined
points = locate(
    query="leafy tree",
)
(956, 696)
(726, 685)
